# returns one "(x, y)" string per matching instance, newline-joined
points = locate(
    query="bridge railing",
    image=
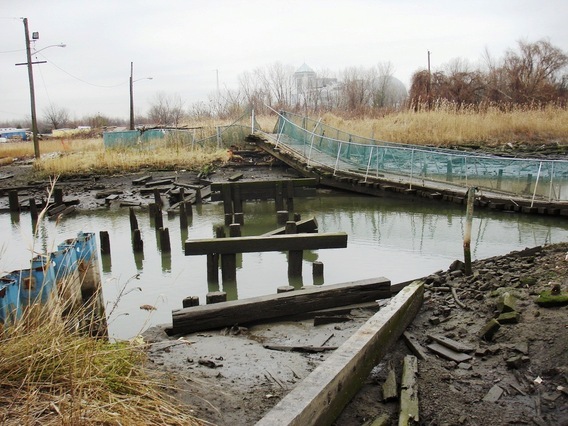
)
(320, 144)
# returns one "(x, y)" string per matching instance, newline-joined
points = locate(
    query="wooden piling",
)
(290, 196)
(58, 196)
(158, 218)
(467, 231)
(182, 216)
(282, 217)
(198, 196)
(137, 243)
(234, 230)
(165, 245)
(158, 198)
(105, 242)
(228, 218)
(216, 297)
(133, 220)
(13, 201)
(188, 209)
(152, 207)
(33, 209)
(229, 260)
(190, 301)
(239, 218)
(317, 272)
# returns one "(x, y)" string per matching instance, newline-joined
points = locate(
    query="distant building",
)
(313, 91)
(13, 133)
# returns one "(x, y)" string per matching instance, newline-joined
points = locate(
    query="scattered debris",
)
(494, 394)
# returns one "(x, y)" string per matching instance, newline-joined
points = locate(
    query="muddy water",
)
(400, 240)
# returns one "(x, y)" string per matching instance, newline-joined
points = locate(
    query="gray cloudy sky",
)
(182, 43)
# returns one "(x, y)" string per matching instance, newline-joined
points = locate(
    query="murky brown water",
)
(400, 240)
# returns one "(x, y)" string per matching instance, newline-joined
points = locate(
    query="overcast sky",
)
(185, 44)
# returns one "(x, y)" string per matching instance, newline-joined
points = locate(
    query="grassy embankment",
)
(443, 126)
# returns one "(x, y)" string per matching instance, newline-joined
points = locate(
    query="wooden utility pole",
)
(131, 97)
(32, 91)
(428, 86)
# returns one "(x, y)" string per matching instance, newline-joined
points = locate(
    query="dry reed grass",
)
(446, 125)
(53, 373)
(128, 160)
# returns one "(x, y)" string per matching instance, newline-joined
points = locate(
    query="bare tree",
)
(534, 72)
(167, 110)
(56, 116)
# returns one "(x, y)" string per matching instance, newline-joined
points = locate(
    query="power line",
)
(80, 79)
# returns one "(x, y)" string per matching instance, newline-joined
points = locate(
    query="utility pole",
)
(37, 154)
(131, 97)
(428, 86)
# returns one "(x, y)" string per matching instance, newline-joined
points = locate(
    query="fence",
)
(322, 145)
(218, 137)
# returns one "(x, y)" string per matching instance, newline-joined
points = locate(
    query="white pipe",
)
(536, 183)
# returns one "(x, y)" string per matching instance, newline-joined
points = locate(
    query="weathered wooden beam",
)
(278, 305)
(409, 392)
(261, 184)
(321, 396)
(253, 244)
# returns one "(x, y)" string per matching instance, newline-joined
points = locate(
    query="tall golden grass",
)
(51, 374)
(446, 125)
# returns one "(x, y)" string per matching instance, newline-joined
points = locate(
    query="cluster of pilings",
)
(294, 236)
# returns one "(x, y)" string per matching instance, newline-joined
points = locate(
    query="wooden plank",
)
(302, 226)
(142, 180)
(450, 343)
(409, 392)
(448, 353)
(278, 305)
(235, 177)
(413, 344)
(253, 244)
(321, 396)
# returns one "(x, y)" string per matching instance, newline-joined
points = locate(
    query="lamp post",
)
(29, 63)
(132, 94)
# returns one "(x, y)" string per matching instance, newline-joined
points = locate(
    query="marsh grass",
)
(447, 125)
(53, 373)
(171, 157)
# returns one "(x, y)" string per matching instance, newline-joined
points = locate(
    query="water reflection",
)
(397, 239)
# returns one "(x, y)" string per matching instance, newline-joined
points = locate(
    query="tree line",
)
(532, 75)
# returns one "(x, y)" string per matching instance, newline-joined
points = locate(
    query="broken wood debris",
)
(414, 346)
(321, 396)
(390, 387)
(409, 392)
(304, 349)
(448, 353)
(450, 343)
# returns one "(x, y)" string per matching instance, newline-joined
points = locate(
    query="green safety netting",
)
(324, 145)
(219, 137)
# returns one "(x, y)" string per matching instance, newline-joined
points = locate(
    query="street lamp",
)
(132, 94)
(37, 154)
